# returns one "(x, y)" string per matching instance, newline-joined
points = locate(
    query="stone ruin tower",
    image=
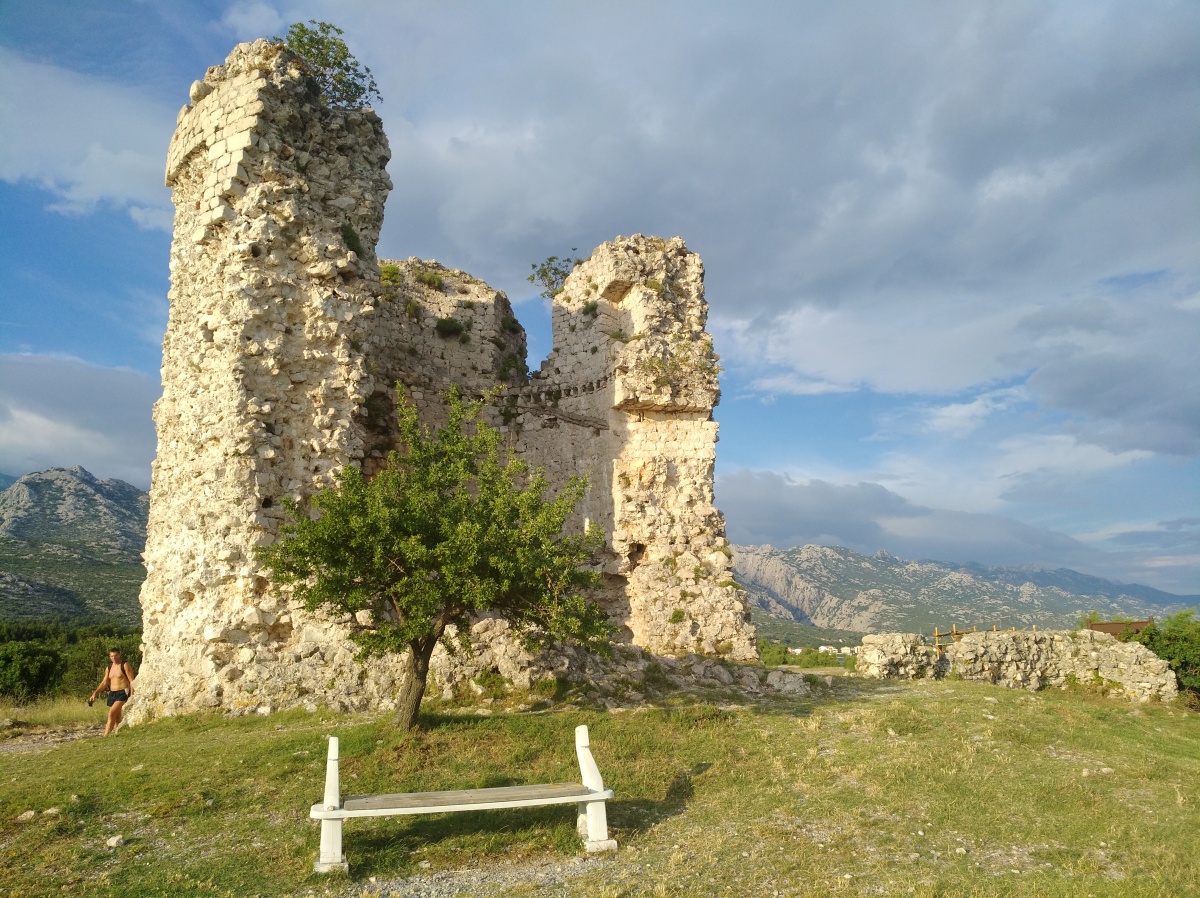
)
(284, 349)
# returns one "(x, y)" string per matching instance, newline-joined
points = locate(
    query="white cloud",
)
(250, 20)
(959, 419)
(58, 412)
(86, 140)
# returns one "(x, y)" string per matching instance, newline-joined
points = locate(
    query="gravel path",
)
(484, 882)
(46, 739)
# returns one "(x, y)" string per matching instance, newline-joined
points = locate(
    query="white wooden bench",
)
(589, 797)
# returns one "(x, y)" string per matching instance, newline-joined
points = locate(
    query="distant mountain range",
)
(837, 588)
(70, 546)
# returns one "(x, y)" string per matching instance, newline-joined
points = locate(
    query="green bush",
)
(38, 659)
(353, 241)
(449, 327)
(1177, 641)
(389, 274)
(430, 279)
(772, 653)
(812, 658)
(28, 670)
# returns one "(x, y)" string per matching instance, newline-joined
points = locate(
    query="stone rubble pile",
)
(1025, 660)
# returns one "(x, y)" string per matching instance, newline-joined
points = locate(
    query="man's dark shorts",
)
(121, 695)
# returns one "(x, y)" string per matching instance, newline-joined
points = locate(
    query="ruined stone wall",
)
(285, 345)
(632, 382)
(264, 382)
(1025, 660)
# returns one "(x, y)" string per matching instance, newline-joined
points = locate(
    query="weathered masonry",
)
(285, 344)
(1025, 660)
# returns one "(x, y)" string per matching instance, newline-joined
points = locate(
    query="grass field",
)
(867, 788)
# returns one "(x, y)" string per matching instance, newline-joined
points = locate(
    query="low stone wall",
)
(1025, 660)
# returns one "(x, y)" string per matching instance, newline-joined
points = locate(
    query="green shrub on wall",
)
(343, 81)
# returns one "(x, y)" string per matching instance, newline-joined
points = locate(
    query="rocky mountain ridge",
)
(70, 546)
(835, 587)
(69, 505)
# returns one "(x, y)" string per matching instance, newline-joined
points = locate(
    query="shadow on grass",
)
(390, 846)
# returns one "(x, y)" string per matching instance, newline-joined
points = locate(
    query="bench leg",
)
(592, 823)
(332, 858)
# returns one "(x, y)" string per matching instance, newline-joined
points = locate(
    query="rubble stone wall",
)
(1025, 660)
(285, 346)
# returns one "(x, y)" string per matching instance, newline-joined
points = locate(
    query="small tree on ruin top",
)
(444, 532)
(344, 81)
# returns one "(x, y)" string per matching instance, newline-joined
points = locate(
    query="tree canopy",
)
(344, 81)
(445, 531)
(551, 273)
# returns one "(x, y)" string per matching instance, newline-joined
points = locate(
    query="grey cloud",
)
(1137, 389)
(59, 412)
(1179, 523)
(1180, 534)
(972, 188)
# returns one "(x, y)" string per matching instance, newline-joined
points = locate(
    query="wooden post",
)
(331, 830)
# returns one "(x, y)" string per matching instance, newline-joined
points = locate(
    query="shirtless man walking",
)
(118, 679)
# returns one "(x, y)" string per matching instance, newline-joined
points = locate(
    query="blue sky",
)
(953, 250)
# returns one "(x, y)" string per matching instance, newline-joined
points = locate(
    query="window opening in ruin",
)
(636, 551)
(267, 502)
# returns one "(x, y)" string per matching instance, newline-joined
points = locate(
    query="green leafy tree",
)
(344, 81)
(551, 274)
(445, 531)
(1177, 641)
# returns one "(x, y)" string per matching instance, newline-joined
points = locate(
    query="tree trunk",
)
(416, 673)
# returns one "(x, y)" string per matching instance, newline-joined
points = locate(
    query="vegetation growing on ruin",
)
(389, 275)
(343, 81)
(512, 365)
(443, 533)
(551, 273)
(429, 278)
(449, 327)
(353, 241)
(681, 360)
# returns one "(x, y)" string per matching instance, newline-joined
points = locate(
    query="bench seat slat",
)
(466, 796)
